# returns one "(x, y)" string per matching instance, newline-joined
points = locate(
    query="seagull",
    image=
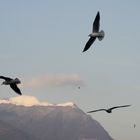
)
(134, 125)
(95, 33)
(12, 82)
(109, 110)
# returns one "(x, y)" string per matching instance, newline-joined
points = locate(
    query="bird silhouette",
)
(95, 33)
(108, 110)
(13, 83)
(134, 125)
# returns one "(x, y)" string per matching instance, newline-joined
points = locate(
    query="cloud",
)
(23, 100)
(31, 101)
(53, 81)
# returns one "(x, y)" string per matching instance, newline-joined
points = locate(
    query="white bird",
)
(12, 82)
(109, 110)
(95, 32)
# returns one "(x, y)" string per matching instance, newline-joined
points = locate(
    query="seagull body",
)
(109, 110)
(12, 82)
(95, 33)
(134, 125)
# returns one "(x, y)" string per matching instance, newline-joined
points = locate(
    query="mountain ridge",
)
(52, 122)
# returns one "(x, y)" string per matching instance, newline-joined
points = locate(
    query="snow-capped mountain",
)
(45, 121)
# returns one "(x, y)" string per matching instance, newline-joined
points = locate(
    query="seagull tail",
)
(101, 35)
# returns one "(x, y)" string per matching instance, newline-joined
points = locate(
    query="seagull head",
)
(109, 111)
(90, 35)
(16, 81)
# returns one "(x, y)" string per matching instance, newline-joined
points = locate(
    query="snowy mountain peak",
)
(71, 104)
(54, 122)
(32, 101)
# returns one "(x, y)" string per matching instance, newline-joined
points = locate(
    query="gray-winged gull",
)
(95, 33)
(109, 110)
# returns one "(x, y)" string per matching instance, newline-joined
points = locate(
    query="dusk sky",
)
(41, 43)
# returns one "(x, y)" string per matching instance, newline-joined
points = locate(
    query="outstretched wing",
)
(89, 43)
(120, 106)
(5, 78)
(16, 89)
(96, 23)
(96, 110)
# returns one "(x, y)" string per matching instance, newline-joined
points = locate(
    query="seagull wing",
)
(5, 78)
(16, 89)
(96, 23)
(96, 110)
(120, 106)
(89, 43)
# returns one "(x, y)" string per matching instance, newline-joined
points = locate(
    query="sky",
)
(41, 43)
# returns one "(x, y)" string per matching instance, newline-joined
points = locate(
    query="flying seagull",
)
(95, 33)
(134, 125)
(12, 82)
(109, 110)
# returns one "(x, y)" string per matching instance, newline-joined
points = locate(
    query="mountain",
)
(8, 132)
(30, 119)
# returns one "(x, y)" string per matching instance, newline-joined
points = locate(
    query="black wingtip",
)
(127, 105)
(84, 50)
(20, 93)
(98, 13)
(90, 111)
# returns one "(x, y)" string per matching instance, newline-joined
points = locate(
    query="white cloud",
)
(53, 80)
(24, 100)
(31, 101)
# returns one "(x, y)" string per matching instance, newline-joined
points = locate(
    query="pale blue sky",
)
(47, 38)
